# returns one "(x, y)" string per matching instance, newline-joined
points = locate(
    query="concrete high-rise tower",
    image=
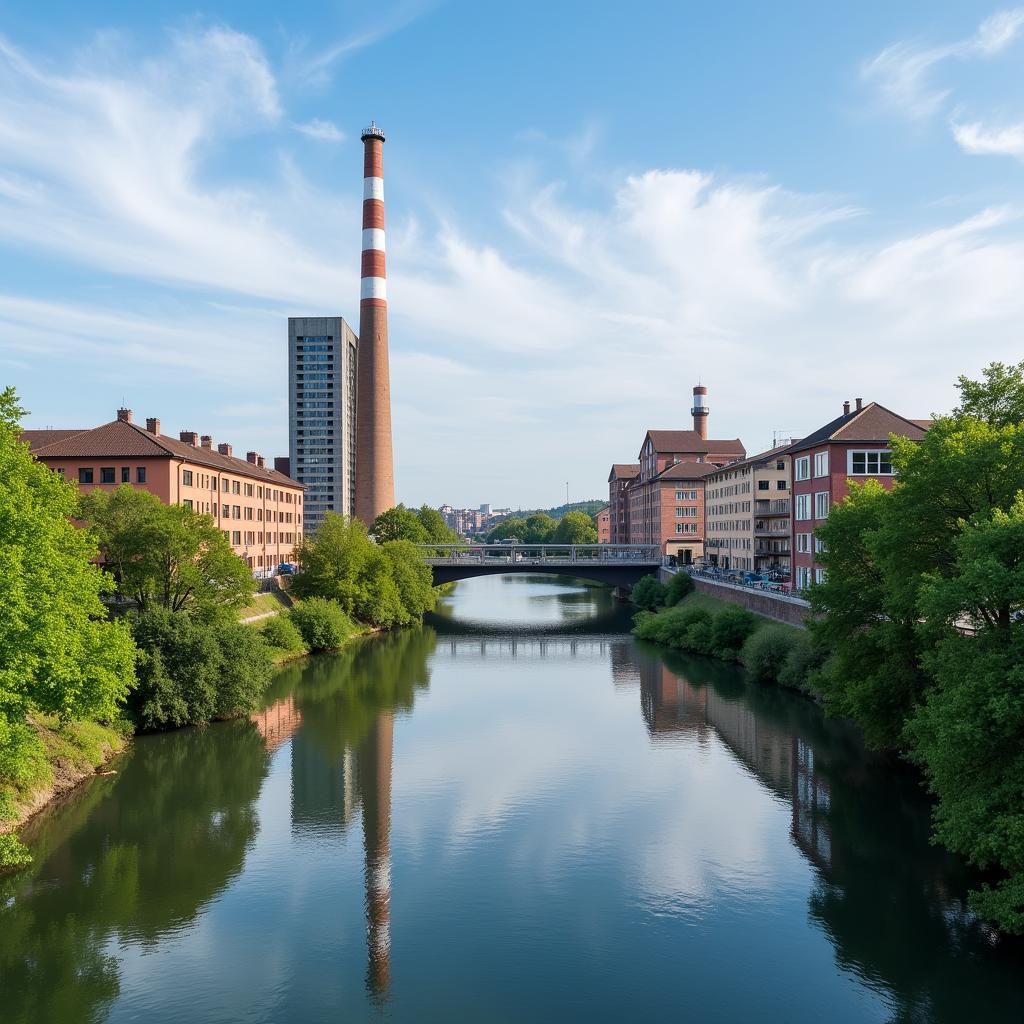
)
(700, 410)
(375, 478)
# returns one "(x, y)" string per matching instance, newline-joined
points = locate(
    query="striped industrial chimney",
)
(700, 411)
(375, 480)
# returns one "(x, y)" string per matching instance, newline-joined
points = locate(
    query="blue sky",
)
(590, 207)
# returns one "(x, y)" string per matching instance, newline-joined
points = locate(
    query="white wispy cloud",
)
(540, 348)
(978, 138)
(902, 72)
(322, 131)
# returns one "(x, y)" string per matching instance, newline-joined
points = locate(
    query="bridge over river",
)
(620, 565)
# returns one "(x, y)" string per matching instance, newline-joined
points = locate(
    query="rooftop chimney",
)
(846, 408)
(206, 441)
(224, 448)
(252, 457)
(700, 411)
(261, 462)
(124, 415)
(153, 425)
(860, 403)
(189, 437)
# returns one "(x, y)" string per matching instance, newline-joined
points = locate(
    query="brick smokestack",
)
(375, 481)
(700, 411)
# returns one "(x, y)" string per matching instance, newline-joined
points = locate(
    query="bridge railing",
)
(541, 554)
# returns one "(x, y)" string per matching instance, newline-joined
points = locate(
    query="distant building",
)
(259, 510)
(322, 356)
(854, 446)
(604, 525)
(485, 510)
(662, 502)
(464, 521)
(747, 513)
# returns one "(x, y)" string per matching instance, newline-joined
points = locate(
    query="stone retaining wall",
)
(781, 607)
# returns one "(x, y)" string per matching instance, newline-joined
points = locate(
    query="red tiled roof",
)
(872, 424)
(38, 438)
(754, 459)
(624, 470)
(120, 439)
(691, 441)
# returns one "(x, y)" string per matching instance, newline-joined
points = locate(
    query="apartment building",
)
(259, 509)
(322, 358)
(603, 520)
(854, 446)
(620, 477)
(747, 513)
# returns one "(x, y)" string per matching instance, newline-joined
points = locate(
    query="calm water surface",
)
(516, 813)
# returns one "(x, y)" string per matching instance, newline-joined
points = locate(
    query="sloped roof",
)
(691, 441)
(624, 471)
(872, 424)
(753, 460)
(120, 439)
(687, 471)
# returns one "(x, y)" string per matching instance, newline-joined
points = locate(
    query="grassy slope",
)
(715, 605)
(261, 604)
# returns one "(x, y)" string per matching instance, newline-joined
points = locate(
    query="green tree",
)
(967, 733)
(513, 528)
(413, 579)
(437, 530)
(997, 399)
(322, 625)
(540, 528)
(166, 556)
(575, 528)
(648, 593)
(59, 652)
(399, 523)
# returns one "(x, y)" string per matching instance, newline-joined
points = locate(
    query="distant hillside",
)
(591, 507)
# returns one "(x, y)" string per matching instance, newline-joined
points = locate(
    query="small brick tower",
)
(700, 411)
(375, 475)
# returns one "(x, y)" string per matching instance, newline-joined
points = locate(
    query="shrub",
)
(698, 638)
(765, 652)
(648, 593)
(676, 627)
(678, 587)
(191, 671)
(730, 630)
(282, 633)
(803, 660)
(322, 624)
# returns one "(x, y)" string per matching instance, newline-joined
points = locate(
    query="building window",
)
(763, 485)
(803, 543)
(871, 463)
(248, 490)
(236, 536)
(236, 512)
(819, 545)
(126, 474)
(225, 484)
(236, 487)
(819, 575)
(781, 464)
(186, 477)
(803, 507)
(140, 474)
(225, 511)
(821, 504)
(821, 464)
(187, 503)
(803, 577)
(85, 476)
(802, 468)
(106, 474)
(781, 485)
(248, 512)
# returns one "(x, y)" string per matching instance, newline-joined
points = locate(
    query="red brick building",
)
(603, 519)
(854, 446)
(660, 499)
(258, 509)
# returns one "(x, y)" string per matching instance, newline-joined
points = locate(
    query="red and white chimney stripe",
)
(374, 276)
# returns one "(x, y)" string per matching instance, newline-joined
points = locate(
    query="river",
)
(516, 813)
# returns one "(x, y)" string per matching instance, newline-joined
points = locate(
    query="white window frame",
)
(819, 575)
(819, 545)
(802, 508)
(822, 501)
(802, 468)
(866, 452)
(803, 543)
(821, 463)
(803, 577)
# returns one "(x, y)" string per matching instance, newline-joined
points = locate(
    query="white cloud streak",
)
(321, 131)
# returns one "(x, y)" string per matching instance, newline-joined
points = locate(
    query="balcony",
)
(765, 550)
(770, 531)
(774, 507)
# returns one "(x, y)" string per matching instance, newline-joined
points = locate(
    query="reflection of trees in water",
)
(138, 856)
(891, 903)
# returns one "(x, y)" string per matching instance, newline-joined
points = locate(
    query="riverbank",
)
(771, 651)
(72, 753)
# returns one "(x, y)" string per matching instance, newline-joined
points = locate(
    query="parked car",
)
(286, 569)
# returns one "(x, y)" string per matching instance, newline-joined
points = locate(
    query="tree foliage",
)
(648, 593)
(192, 670)
(322, 625)
(59, 652)
(166, 556)
(575, 528)
(383, 585)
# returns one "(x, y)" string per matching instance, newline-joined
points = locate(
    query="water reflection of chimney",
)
(375, 756)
